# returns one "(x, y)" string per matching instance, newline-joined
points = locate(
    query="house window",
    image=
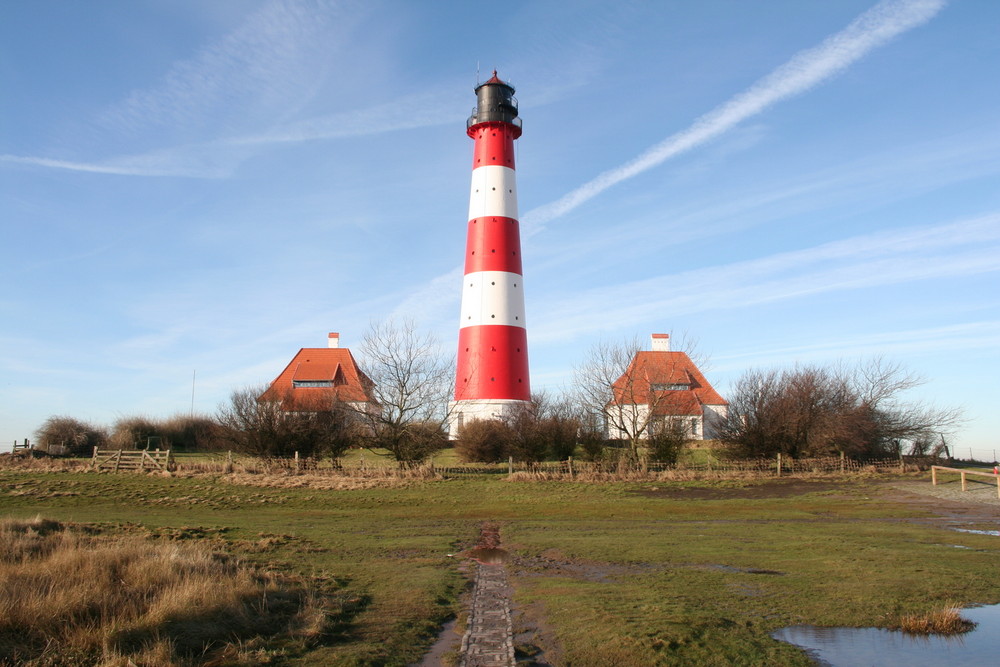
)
(299, 384)
(669, 387)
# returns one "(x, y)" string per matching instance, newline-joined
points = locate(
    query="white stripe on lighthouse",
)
(493, 297)
(494, 192)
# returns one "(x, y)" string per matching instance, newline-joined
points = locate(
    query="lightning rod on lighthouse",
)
(492, 369)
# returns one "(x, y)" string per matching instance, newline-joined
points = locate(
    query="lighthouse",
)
(492, 363)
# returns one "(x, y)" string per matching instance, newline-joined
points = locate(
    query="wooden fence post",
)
(842, 463)
(510, 465)
(570, 461)
(934, 478)
(779, 464)
(296, 460)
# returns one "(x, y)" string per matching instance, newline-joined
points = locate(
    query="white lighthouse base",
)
(461, 413)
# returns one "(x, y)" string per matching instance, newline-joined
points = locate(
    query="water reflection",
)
(489, 556)
(850, 647)
(994, 533)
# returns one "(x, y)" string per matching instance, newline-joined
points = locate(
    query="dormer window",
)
(669, 387)
(300, 384)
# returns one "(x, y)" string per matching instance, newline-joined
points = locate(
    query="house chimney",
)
(333, 339)
(661, 342)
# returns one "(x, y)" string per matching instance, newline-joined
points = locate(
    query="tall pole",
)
(492, 367)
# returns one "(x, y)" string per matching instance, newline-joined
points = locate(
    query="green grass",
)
(615, 573)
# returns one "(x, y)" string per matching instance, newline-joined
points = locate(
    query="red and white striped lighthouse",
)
(492, 371)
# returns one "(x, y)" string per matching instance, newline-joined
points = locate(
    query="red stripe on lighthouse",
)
(493, 244)
(492, 363)
(494, 145)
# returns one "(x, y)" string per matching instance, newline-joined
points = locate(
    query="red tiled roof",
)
(636, 385)
(320, 364)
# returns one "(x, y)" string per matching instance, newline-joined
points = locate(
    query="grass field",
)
(605, 574)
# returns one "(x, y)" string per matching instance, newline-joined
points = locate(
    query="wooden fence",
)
(965, 486)
(137, 460)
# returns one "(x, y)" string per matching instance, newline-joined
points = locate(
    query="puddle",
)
(448, 641)
(742, 570)
(994, 533)
(849, 647)
(488, 556)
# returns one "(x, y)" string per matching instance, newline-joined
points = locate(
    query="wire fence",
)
(624, 469)
(569, 468)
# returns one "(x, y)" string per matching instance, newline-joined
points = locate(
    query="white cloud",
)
(805, 70)
(263, 68)
(962, 248)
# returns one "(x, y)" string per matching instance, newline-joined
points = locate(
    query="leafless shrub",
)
(484, 440)
(262, 428)
(816, 411)
(136, 432)
(79, 437)
(191, 433)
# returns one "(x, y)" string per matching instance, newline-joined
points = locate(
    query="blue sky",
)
(198, 189)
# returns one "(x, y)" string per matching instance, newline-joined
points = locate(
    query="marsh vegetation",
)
(679, 571)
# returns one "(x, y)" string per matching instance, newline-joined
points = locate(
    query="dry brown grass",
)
(72, 598)
(946, 621)
(42, 463)
(323, 481)
(676, 475)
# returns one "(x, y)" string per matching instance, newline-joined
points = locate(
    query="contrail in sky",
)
(806, 69)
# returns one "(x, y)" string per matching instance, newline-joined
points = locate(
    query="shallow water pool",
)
(877, 647)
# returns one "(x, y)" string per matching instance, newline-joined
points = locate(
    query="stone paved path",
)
(488, 640)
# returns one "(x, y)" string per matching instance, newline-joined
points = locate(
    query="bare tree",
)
(612, 384)
(412, 384)
(625, 413)
(814, 411)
